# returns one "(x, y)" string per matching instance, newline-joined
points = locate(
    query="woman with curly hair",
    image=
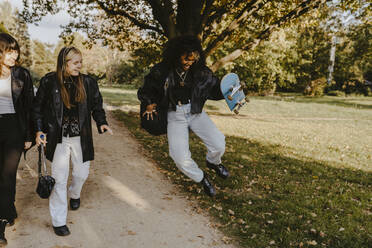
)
(16, 135)
(190, 83)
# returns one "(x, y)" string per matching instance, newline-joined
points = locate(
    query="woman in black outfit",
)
(64, 104)
(16, 95)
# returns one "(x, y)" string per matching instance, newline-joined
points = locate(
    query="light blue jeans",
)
(179, 123)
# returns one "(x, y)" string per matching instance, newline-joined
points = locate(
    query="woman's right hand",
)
(150, 110)
(41, 138)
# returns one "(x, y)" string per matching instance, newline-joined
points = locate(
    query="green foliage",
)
(353, 59)
(316, 87)
(43, 60)
(3, 29)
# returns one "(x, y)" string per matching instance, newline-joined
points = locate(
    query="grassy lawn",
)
(301, 170)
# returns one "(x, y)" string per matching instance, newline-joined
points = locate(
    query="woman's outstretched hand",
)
(105, 128)
(150, 110)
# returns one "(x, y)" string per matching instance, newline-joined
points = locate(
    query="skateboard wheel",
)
(236, 111)
(229, 97)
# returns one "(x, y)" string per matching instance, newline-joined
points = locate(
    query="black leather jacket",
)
(205, 86)
(48, 113)
(23, 94)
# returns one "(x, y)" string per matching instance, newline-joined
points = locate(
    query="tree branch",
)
(136, 22)
(217, 15)
(206, 12)
(164, 14)
(251, 7)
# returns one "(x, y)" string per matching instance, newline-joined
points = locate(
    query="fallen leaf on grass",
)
(312, 242)
(226, 240)
(231, 212)
(217, 207)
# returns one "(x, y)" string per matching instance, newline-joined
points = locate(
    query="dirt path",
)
(126, 202)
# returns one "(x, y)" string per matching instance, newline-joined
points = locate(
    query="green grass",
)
(301, 171)
(118, 97)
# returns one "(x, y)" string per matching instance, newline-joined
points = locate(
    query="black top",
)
(182, 87)
(70, 121)
(205, 85)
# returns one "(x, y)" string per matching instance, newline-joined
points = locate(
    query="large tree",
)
(246, 22)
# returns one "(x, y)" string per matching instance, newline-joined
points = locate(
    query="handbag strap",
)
(41, 161)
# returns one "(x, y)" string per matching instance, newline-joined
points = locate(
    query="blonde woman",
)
(64, 104)
(16, 94)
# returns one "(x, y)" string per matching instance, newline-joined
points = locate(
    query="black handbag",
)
(158, 124)
(46, 182)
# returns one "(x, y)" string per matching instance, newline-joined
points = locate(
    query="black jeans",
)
(11, 148)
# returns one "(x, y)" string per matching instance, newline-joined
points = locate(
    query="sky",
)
(48, 29)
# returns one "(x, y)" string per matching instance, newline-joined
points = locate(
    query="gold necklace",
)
(183, 77)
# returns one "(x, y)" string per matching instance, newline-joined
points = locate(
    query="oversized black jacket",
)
(205, 86)
(22, 95)
(48, 113)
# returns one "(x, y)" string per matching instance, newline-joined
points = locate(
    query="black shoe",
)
(208, 187)
(220, 170)
(61, 230)
(74, 204)
(3, 240)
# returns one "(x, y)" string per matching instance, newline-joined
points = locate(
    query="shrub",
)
(315, 87)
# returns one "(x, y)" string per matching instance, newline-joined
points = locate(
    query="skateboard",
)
(232, 90)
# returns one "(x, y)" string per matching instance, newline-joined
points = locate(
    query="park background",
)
(300, 152)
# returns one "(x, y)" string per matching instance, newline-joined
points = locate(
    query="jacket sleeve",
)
(28, 101)
(215, 92)
(98, 113)
(38, 103)
(152, 89)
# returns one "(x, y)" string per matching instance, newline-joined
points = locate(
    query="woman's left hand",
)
(105, 128)
(27, 145)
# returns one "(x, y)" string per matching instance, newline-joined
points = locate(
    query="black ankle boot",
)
(208, 187)
(220, 170)
(74, 204)
(3, 240)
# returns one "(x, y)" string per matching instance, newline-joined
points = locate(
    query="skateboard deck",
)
(232, 90)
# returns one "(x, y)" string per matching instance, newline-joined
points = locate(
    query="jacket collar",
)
(16, 85)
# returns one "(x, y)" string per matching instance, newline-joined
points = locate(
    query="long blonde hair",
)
(64, 56)
(7, 44)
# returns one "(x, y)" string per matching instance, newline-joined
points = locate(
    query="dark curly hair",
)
(180, 45)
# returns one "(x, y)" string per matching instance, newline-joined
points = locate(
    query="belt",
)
(181, 102)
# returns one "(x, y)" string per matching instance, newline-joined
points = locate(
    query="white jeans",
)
(179, 123)
(70, 147)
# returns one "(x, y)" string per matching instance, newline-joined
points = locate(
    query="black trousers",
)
(11, 148)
